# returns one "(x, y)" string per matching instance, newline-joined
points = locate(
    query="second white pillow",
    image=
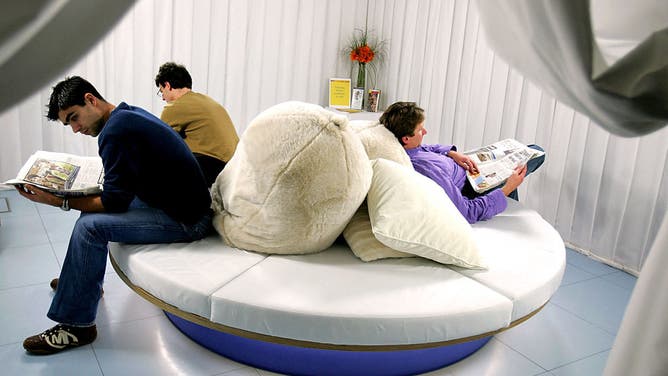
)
(411, 213)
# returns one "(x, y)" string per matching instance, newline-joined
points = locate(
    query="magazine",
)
(497, 161)
(64, 175)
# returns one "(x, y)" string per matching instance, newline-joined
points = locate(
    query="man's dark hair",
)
(401, 118)
(177, 76)
(69, 92)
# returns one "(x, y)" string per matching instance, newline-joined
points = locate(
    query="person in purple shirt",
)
(447, 167)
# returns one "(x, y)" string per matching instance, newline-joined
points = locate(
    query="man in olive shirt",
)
(203, 123)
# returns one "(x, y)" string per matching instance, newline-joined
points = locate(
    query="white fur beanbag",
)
(379, 142)
(297, 177)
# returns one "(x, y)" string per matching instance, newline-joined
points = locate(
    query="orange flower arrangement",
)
(362, 54)
(365, 51)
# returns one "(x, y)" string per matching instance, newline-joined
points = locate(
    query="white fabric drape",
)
(553, 43)
(601, 191)
(642, 338)
(36, 36)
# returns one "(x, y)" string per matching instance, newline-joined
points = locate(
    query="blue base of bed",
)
(294, 360)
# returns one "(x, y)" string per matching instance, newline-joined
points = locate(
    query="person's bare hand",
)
(41, 196)
(464, 161)
(515, 179)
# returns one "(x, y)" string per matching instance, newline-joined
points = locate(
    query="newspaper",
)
(64, 175)
(497, 161)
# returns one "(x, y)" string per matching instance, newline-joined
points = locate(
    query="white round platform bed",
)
(412, 288)
(330, 313)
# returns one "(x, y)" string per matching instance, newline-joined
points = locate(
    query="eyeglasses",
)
(159, 93)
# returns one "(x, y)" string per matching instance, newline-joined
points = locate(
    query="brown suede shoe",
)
(60, 337)
(54, 285)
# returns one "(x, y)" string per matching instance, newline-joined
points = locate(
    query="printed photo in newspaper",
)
(497, 161)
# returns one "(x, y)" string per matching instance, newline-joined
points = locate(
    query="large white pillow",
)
(297, 177)
(379, 142)
(363, 243)
(411, 213)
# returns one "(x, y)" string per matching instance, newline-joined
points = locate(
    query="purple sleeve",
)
(440, 149)
(474, 210)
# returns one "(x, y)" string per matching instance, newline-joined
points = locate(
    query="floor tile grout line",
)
(557, 367)
(522, 355)
(18, 343)
(618, 285)
(107, 325)
(53, 248)
(36, 284)
(578, 360)
(23, 286)
(27, 246)
(622, 285)
(594, 274)
(585, 320)
(580, 281)
(48, 236)
(97, 360)
(578, 267)
(46, 231)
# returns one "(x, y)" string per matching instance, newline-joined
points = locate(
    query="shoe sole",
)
(47, 352)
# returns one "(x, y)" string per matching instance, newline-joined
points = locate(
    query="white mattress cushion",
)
(529, 265)
(331, 297)
(183, 274)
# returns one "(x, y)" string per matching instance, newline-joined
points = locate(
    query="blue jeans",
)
(80, 283)
(532, 166)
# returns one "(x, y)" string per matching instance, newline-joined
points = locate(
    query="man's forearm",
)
(86, 204)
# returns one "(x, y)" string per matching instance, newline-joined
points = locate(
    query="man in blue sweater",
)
(447, 167)
(153, 192)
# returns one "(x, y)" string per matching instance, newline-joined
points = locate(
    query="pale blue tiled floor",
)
(571, 336)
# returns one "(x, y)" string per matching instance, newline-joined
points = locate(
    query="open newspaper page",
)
(497, 161)
(62, 174)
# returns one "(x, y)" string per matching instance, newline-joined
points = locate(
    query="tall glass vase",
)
(361, 76)
(359, 91)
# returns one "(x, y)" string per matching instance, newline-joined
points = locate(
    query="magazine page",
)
(498, 150)
(496, 162)
(62, 174)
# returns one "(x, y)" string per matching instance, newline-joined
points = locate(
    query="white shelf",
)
(361, 115)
